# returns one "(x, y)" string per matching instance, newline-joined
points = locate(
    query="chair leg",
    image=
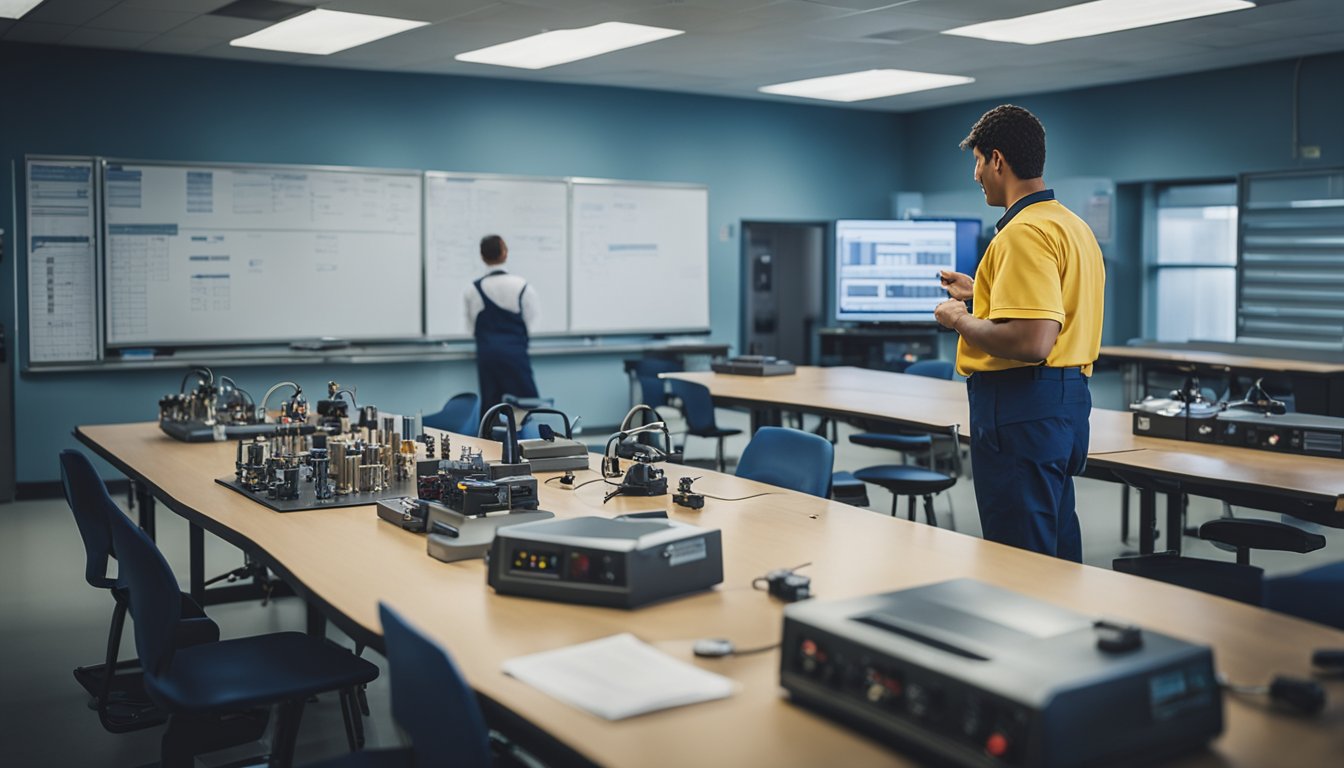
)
(929, 515)
(348, 718)
(718, 455)
(910, 508)
(113, 648)
(286, 734)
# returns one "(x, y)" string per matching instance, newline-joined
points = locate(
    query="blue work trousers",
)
(1029, 433)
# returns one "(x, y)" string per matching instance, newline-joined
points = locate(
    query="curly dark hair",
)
(492, 249)
(1018, 136)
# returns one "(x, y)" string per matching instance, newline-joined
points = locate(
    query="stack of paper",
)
(618, 677)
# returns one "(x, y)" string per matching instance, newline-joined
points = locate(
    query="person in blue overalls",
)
(501, 307)
(1027, 343)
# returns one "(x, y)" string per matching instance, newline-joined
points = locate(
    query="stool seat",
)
(906, 480)
(911, 481)
(892, 441)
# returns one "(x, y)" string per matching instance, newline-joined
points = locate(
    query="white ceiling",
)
(732, 46)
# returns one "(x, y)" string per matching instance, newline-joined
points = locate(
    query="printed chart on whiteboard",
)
(62, 261)
(211, 255)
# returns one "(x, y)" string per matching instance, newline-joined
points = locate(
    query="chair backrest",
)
(155, 599)
(430, 699)
(653, 390)
(461, 414)
(1216, 577)
(91, 505)
(934, 369)
(696, 404)
(789, 458)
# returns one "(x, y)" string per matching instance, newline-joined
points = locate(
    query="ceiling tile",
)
(219, 27)
(88, 37)
(179, 44)
(74, 12)
(36, 32)
(127, 19)
(419, 10)
(193, 6)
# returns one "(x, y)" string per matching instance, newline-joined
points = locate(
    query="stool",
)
(905, 480)
(848, 489)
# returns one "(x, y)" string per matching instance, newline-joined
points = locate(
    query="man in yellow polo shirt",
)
(1027, 343)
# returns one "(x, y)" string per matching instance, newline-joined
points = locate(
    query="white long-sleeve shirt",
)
(504, 290)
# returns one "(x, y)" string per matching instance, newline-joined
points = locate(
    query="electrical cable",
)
(1297, 90)
(197, 370)
(739, 498)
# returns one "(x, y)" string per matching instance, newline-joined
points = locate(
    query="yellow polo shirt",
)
(1043, 263)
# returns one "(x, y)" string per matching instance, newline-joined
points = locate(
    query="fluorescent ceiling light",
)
(1095, 18)
(562, 46)
(322, 32)
(14, 9)
(869, 84)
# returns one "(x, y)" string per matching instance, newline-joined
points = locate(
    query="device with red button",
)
(980, 676)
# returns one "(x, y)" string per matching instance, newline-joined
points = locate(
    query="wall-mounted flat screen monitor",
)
(969, 245)
(887, 270)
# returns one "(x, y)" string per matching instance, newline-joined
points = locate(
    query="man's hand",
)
(959, 286)
(949, 312)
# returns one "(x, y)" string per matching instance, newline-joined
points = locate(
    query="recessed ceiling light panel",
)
(562, 46)
(14, 9)
(322, 32)
(1096, 18)
(869, 84)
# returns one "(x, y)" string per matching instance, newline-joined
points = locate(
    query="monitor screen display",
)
(887, 271)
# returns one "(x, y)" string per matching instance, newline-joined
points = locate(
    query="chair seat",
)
(845, 480)
(252, 671)
(1316, 594)
(892, 441)
(906, 480)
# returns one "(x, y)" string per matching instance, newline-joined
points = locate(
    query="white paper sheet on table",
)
(618, 677)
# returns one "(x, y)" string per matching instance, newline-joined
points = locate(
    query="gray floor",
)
(53, 621)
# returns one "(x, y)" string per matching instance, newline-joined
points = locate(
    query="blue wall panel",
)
(760, 161)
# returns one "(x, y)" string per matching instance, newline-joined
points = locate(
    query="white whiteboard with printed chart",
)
(219, 254)
(532, 215)
(640, 260)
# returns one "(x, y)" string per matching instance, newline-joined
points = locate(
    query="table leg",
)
(1175, 526)
(1147, 520)
(145, 499)
(196, 563)
(317, 623)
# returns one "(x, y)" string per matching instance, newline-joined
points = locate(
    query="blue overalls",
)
(1029, 433)
(502, 364)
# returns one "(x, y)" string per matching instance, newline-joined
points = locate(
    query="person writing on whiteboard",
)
(501, 308)
(1028, 346)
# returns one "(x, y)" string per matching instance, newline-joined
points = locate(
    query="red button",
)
(996, 745)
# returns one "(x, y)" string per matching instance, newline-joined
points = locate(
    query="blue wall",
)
(1206, 125)
(760, 161)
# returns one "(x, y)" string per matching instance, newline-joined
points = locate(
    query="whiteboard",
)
(203, 255)
(62, 260)
(532, 217)
(641, 258)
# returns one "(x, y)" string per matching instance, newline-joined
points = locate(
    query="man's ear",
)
(996, 160)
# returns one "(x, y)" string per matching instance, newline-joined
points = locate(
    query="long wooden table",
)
(1308, 487)
(1316, 376)
(346, 560)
